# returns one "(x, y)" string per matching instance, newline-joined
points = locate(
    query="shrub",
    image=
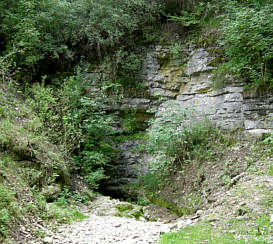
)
(4, 222)
(149, 182)
(196, 13)
(7, 67)
(60, 32)
(248, 41)
(8, 210)
(179, 135)
(80, 127)
(62, 212)
(92, 164)
(129, 123)
(269, 139)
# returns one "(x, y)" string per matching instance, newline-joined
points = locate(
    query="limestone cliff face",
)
(186, 81)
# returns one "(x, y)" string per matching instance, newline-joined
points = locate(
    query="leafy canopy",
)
(62, 31)
(248, 41)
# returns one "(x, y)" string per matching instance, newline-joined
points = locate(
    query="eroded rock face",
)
(127, 168)
(186, 81)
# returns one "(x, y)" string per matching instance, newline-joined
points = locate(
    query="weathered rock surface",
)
(186, 82)
(157, 213)
(107, 229)
(128, 166)
(187, 79)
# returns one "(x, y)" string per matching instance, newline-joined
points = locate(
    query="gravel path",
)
(109, 229)
(102, 227)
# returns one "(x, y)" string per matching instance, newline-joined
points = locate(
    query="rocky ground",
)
(110, 221)
(109, 229)
(243, 208)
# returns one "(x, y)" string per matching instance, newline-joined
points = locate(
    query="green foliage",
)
(176, 49)
(77, 197)
(176, 6)
(247, 36)
(136, 136)
(124, 207)
(4, 223)
(198, 234)
(62, 212)
(187, 19)
(59, 32)
(62, 209)
(142, 201)
(138, 214)
(270, 170)
(92, 166)
(254, 3)
(127, 64)
(157, 199)
(129, 123)
(21, 134)
(150, 182)
(80, 127)
(45, 104)
(197, 13)
(248, 40)
(29, 164)
(269, 139)
(120, 74)
(179, 136)
(7, 67)
(203, 232)
(7, 207)
(220, 76)
(264, 224)
(130, 211)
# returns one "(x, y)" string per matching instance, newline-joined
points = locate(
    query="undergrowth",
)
(243, 215)
(81, 128)
(238, 33)
(33, 171)
(179, 141)
(205, 233)
(179, 136)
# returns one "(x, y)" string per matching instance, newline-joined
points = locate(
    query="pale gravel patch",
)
(110, 229)
(102, 227)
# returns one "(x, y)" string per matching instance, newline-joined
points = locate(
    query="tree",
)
(248, 41)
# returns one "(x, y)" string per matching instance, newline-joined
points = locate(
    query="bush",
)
(149, 182)
(92, 164)
(4, 222)
(60, 32)
(7, 67)
(62, 212)
(179, 135)
(81, 127)
(248, 40)
(197, 13)
(8, 210)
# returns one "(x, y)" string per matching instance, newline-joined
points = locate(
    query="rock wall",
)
(186, 80)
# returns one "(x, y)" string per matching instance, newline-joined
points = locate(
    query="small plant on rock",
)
(179, 135)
